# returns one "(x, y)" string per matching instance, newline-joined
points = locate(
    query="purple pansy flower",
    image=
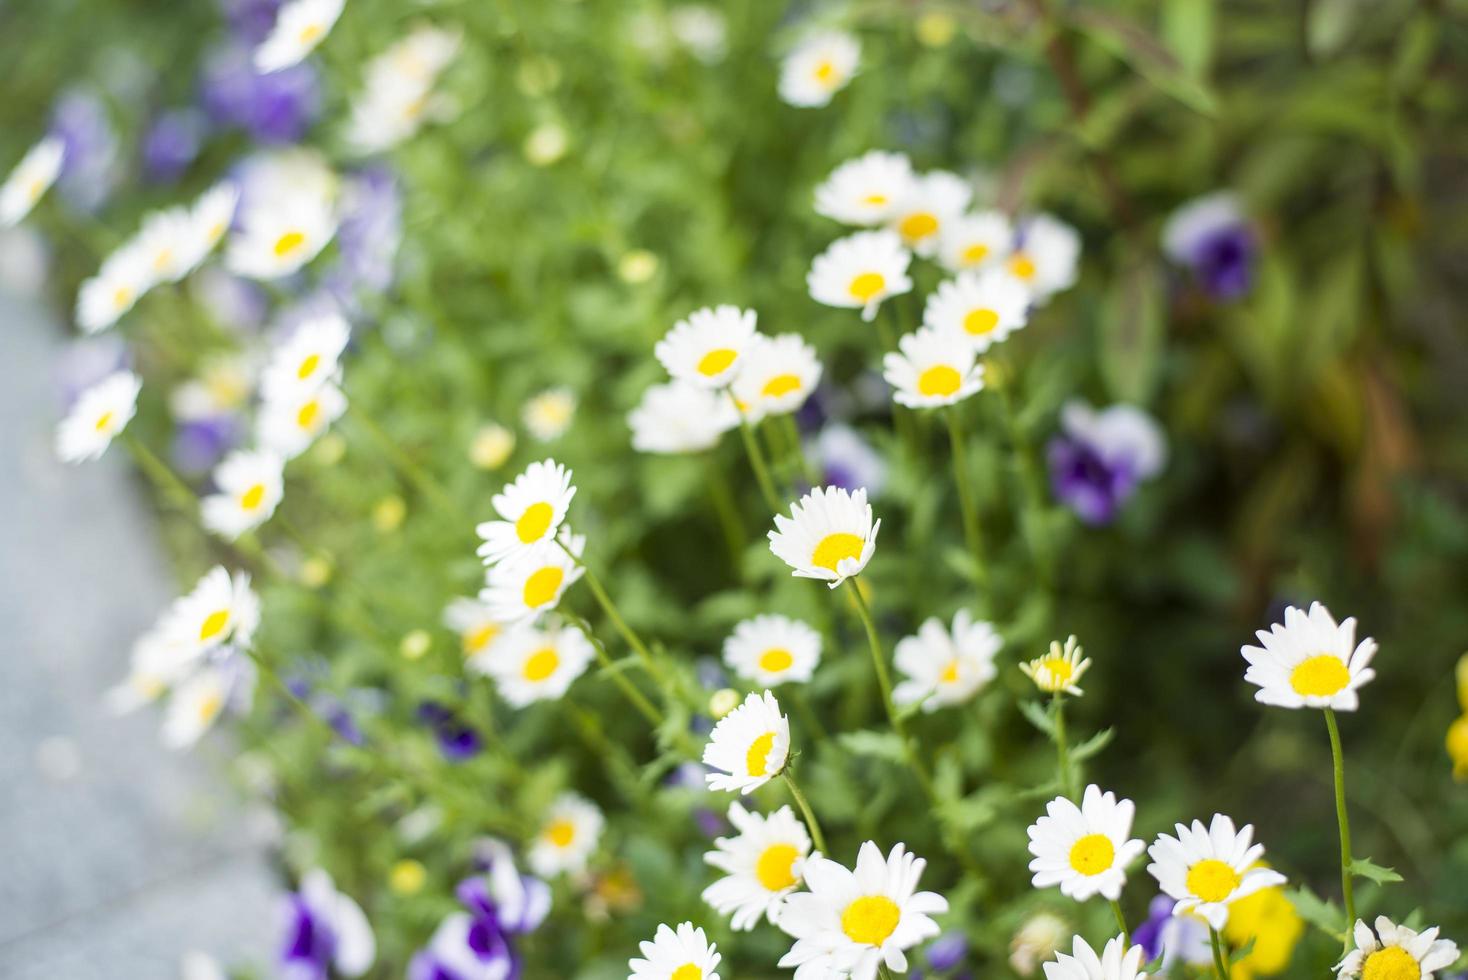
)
(200, 443)
(1100, 457)
(325, 930)
(1172, 937)
(88, 360)
(368, 237)
(848, 461)
(947, 951)
(274, 108)
(456, 740)
(89, 166)
(171, 144)
(479, 944)
(251, 20)
(1211, 237)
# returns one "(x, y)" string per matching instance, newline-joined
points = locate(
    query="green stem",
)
(756, 459)
(808, 716)
(610, 608)
(1035, 501)
(969, 512)
(805, 810)
(1344, 821)
(902, 418)
(639, 700)
(168, 482)
(1120, 920)
(415, 474)
(1062, 750)
(1220, 965)
(727, 511)
(805, 467)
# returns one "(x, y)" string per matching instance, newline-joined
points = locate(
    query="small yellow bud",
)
(492, 445)
(723, 701)
(407, 877)
(388, 515)
(936, 28)
(415, 644)
(329, 449)
(1457, 743)
(638, 266)
(546, 144)
(315, 572)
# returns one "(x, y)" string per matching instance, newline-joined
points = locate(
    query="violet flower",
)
(479, 944)
(848, 461)
(1211, 237)
(457, 740)
(325, 930)
(368, 236)
(947, 951)
(1172, 937)
(89, 166)
(1099, 458)
(274, 108)
(171, 144)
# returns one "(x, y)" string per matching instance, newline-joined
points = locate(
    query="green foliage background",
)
(1317, 429)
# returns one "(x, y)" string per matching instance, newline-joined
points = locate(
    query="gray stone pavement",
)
(116, 855)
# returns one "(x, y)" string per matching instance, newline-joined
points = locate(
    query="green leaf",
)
(1187, 29)
(1039, 716)
(877, 745)
(1366, 868)
(1321, 914)
(1147, 56)
(1092, 745)
(1131, 334)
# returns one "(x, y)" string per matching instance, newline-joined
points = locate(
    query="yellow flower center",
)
(1022, 266)
(121, 296)
(533, 522)
(561, 833)
(310, 33)
(875, 200)
(214, 624)
(1059, 668)
(161, 260)
(950, 672)
(825, 72)
(1092, 854)
(542, 585)
(688, 971)
(1212, 880)
(35, 189)
(979, 322)
(477, 639)
(758, 756)
(1391, 963)
(780, 384)
(209, 707)
(288, 243)
(867, 285)
(918, 225)
(306, 417)
(104, 420)
(940, 379)
(774, 864)
(308, 365)
(974, 254)
(251, 498)
(870, 919)
(1319, 676)
(775, 660)
(834, 548)
(541, 664)
(716, 361)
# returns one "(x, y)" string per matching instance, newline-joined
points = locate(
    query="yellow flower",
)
(407, 877)
(1268, 918)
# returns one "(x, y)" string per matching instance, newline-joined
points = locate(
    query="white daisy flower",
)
(770, 650)
(932, 202)
(851, 923)
(534, 582)
(531, 664)
(866, 191)
(1060, 669)
(289, 423)
(567, 838)
(479, 632)
(680, 417)
(280, 234)
(122, 280)
(221, 608)
(1116, 962)
(776, 376)
(531, 510)
(299, 27)
(548, 415)
(932, 368)
(1395, 952)
(984, 307)
(153, 667)
(705, 349)
(1206, 868)
(196, 703)
(98, 417)
(211, 217)
(761, 866)
(975, 241)
(30, 180)
(167, 240)
(818, 68)
(1084, 849)
(1047, 257)
(682, 955)
(398, 94)
(250, 485)
(308, 359)
(944, 668)
(748, 746)
(1310, 661)
(829, 535)
(859, 271)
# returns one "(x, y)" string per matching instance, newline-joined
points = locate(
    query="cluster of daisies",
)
(723, 371)
(1000, 269)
